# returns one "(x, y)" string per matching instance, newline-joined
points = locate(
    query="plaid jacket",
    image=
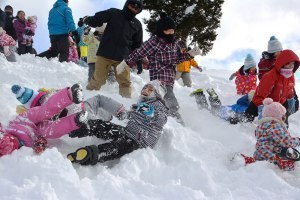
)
(270, 133)
(162, 57)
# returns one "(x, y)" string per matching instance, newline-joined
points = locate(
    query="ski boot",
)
(214, 100)
(200, 99)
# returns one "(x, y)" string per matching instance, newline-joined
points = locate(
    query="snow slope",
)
(189, 162)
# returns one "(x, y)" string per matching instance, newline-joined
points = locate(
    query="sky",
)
(246, 26)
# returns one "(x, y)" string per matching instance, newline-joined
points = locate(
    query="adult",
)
(122, 35)
(9, 26)
(277, 84)
(60, 25)
(19, 26)
(2, 18)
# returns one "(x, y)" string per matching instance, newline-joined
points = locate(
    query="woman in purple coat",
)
(19, 25)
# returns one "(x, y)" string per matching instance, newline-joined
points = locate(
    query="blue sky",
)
(246, 26)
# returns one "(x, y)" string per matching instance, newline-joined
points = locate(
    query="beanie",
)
(274, 45)
(249, 62)
(25, 95)
(160, 90)
(164, 23)
(273, 109)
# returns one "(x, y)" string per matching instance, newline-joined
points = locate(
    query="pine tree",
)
(197, 20)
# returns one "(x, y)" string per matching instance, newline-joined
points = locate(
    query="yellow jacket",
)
(93, 45)
(186, 65)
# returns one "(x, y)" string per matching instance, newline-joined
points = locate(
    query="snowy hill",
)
(189, 162)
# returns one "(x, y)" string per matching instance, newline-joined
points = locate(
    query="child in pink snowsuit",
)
(8, 44)
(34, 126)
(73, 54)
(30, 28)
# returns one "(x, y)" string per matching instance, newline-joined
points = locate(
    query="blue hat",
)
(274, 45)
(24, 95)
(249, 62)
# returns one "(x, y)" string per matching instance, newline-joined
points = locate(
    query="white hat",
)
(274, 45)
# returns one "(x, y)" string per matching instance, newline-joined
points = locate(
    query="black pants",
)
(91, 70)
(23, 48)
(120, 144)
(59, 46)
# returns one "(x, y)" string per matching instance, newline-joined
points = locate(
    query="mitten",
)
(96, 33)
(40, 144)
(121, 67)
(199, 68)
(195, 51)
(6, 51)
(139, 66)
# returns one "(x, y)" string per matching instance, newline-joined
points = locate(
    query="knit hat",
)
(164, 23)
(25, 95)
(32, 19)
(273, 109)
(8, 143)
(160, 90)
(8, 7)
(249, 62)
(274, 45)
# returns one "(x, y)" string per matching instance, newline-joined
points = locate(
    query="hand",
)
(74, 33)
(40, 144)
(195, 51)
(96, 33)
(82, 21)
(122, 67)
(139, 66)
(28, 32)
(6, 51)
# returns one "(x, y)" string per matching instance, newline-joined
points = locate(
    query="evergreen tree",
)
(197, 20)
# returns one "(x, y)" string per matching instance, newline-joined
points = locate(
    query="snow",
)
(191, 162)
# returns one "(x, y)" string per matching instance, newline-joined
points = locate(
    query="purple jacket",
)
(162, 57)
(19, 26)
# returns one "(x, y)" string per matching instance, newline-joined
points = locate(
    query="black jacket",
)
(9, 26)
(2, 18)
(121, 35)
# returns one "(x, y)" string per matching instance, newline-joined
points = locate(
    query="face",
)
(169, 31)
(147, 90)
(8, 10)
(134, 8)
(289, 65)
(21, 15)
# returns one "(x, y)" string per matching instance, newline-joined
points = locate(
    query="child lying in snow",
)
(274, 142)
(146, 121)
(33, 127)
(228, 113)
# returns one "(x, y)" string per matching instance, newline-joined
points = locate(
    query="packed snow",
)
(191, 162)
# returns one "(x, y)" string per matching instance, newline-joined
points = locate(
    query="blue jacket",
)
(60, 20)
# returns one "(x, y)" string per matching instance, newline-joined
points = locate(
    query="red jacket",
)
(264, 66)
(245, 82)
(273, 84)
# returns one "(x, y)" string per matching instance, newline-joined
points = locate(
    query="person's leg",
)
(63, 48)
(53, 51)
(28, 48)
(178, 75)
(91, 70)
(21, 48)
(186, 78)
(172, 104)
(124, 81)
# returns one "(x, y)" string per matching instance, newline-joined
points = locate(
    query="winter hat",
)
(25, 95)
(164, 23)
(160, 90)
(274, 45)
(249, 62)
(8, 7)
(8, 143)
(273, 109)
(137, 3)
(33, 19)
(250, 95)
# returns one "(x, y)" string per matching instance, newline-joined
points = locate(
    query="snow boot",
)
(81, 118)
(77, 95)
(287, 153)
(200, 99)
(85, 156)
(214, 100)
(39, 144)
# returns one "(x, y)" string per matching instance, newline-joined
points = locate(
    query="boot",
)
(200, 99)
(81, 118)
(77, 95)
(85, 156)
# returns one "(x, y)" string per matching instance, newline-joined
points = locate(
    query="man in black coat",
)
(122, 35)
(9, 27)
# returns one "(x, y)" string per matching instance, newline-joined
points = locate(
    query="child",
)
(73, 54)
(8, 44)
(33, 127)
(274, 142)
(246, 76)
(30, 28)
(146, 121)
(183, 71)
(228, 113)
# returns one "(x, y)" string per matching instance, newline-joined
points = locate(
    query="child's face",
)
(147, 90)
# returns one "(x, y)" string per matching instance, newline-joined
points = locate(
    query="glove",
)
(232, 76)
(199, 68)
(82, 21)
(6, 51)
(139, 66)
(96, 33)
(40, 144)
(251, 112)
(121, 67)
(28, 32)
(20, 109)
(195, 51)
(86, 30)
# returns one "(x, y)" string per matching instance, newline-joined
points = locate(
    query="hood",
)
(59, 3)
(285, 57)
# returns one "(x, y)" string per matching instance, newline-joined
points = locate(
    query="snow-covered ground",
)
(189, 162)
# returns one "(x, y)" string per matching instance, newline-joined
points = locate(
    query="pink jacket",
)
(36, 121)
(6, 40)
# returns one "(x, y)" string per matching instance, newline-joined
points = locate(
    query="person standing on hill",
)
(9, 26)
(122, 35)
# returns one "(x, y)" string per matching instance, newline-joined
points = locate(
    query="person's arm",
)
(99, 18)
(232, 76)
(70, 20)
(282, 137)
(18, 27)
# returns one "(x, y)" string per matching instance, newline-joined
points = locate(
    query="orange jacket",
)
(186, 65)
(273, 84)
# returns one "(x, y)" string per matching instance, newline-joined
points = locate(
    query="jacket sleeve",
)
(145, 50)
(137, 39)
(70, 20)
(99, 18)
(281, 137)
(264, 88)
(194, 63)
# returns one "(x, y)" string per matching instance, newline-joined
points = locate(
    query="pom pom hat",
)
(274, 45)
(273, 109)
(25, 95)
(249, 62)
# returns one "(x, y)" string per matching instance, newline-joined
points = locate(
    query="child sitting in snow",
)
(29, 30)
(146, 121)
(33, 127)
(246, 76)
(274, 142)
(7, 45)
(228, 113)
